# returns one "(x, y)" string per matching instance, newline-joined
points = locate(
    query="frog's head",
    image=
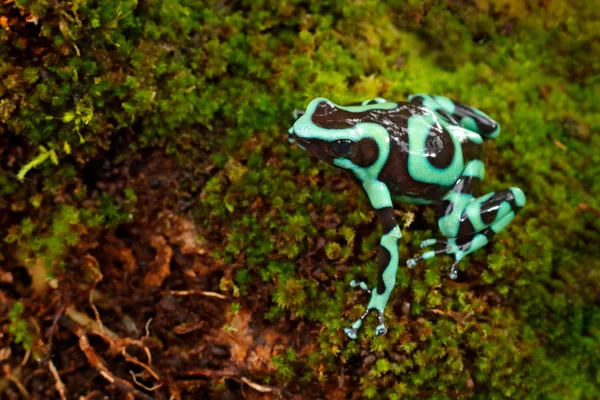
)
(330, 133)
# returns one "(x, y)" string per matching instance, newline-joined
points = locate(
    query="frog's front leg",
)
(380, 198)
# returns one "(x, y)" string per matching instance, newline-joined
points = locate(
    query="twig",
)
(148, 354)
(235, 374)
(197, 292)
(57, 316)
(96, 313)
(60, 386)
(97, 363)
(26, 358)
(116, 343)
(211, 373)
(147, 327)
(135, 361)
(150, 389)
(85, 322)
(14, 378)
(257, 387)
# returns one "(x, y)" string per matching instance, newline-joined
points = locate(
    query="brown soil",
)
(140, 313)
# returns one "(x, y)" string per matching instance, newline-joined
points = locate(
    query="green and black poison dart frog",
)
(425, 151)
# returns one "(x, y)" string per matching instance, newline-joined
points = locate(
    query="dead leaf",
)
(161, 266)
(184, 328)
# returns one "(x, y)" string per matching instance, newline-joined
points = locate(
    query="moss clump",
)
(84, 83)
(19, 327)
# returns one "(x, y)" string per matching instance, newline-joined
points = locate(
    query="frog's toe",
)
(458, 255)
(380, 329)
(429, 242)
(427, 255)
(351, 333)
(453, 273)
(360, 285)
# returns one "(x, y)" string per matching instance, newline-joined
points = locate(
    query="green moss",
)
(18, 326)
(215, 85)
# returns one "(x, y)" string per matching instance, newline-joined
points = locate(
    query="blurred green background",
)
(125, 122)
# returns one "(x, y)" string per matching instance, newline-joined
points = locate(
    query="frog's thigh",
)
(495, 213)
(493, 210)
(455, 202)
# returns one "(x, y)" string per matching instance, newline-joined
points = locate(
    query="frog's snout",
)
(291, 135)
(299, 140)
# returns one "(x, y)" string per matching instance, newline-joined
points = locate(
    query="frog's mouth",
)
(317, 147)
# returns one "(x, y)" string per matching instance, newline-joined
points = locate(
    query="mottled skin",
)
(426, 151)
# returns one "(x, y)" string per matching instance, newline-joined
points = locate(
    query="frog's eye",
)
(343, 147)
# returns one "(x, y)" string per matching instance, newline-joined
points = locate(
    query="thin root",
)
(197, 292)
(150, 389)
(97, 363)
(235, 374)
(79, 323)
(60, 386)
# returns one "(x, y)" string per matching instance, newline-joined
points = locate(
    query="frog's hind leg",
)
(468, 222)
(459, 114)
(494, 211)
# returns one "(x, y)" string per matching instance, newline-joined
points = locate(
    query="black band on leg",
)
(384, 261)
(386, 219)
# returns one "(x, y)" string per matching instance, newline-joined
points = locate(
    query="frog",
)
(424, 151)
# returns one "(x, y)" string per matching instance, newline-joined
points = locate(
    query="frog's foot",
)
(453, 273)
(379, 330)
(360, 285)
(431, 242)
(410, 263)
(451, 248)
(351, 332)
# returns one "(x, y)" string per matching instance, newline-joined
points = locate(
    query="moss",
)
(214, 85)
(19, 328)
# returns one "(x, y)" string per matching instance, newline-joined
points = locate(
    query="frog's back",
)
(427, 153)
